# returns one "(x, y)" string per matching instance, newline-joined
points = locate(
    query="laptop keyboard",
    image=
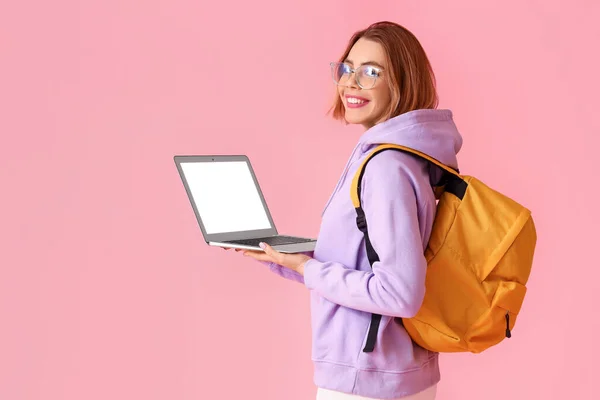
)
(271, 240)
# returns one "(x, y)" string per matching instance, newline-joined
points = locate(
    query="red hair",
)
(411, 78)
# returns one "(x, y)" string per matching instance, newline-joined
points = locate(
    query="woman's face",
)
(364, 105)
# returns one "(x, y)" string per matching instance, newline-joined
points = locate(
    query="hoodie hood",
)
(429, 131)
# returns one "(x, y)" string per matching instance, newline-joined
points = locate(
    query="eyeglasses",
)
(365, 75)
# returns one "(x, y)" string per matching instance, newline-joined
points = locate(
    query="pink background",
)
(107, 290)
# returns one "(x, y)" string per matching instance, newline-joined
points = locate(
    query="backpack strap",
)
(452, 182)
(451, 173)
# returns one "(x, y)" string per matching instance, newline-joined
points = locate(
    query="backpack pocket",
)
(498, 321)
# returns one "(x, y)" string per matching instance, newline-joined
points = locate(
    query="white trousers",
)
(324, 394)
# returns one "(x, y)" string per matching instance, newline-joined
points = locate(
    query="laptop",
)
(229, 204)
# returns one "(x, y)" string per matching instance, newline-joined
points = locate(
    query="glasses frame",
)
(353, 72)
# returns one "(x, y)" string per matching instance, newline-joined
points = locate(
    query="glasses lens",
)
(340, 73)
(367, 76)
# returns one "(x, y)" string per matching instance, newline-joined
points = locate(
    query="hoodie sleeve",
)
(396, 284)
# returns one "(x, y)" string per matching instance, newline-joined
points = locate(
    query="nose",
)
(352, 82)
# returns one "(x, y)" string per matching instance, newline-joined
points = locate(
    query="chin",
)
(357, 119)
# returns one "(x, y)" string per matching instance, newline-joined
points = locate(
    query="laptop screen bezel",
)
(224, 236)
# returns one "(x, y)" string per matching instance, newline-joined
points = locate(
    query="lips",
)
(355, 101)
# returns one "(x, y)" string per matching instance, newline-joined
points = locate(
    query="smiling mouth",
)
(356, 102)
(353, 100)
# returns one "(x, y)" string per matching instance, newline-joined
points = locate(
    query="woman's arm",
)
(396, 284)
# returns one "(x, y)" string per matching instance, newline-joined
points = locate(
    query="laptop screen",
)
(225, 196)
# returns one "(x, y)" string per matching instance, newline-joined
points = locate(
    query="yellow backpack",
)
(479, 259)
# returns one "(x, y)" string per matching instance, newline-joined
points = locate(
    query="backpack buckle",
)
(361, 220)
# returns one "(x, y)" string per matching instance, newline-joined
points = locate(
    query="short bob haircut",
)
(410, 77)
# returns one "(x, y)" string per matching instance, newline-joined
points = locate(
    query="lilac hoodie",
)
(400, 208)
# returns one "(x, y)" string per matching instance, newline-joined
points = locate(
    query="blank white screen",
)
(225, 196)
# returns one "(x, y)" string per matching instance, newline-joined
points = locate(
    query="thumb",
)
(268, 249)
(271, 252)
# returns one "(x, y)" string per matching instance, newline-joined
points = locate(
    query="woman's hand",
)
(295, 261)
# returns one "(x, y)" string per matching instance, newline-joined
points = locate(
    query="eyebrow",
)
(366, 62)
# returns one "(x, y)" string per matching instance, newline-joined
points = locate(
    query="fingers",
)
(258, 255)
(229, 248)
(268, 253)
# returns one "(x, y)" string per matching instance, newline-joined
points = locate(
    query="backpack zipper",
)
(508, 334)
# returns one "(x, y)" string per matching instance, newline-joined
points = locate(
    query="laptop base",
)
(283, 248)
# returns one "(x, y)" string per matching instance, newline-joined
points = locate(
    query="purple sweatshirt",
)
(400, 208)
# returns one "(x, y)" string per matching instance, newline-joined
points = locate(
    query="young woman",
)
(384, 83)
